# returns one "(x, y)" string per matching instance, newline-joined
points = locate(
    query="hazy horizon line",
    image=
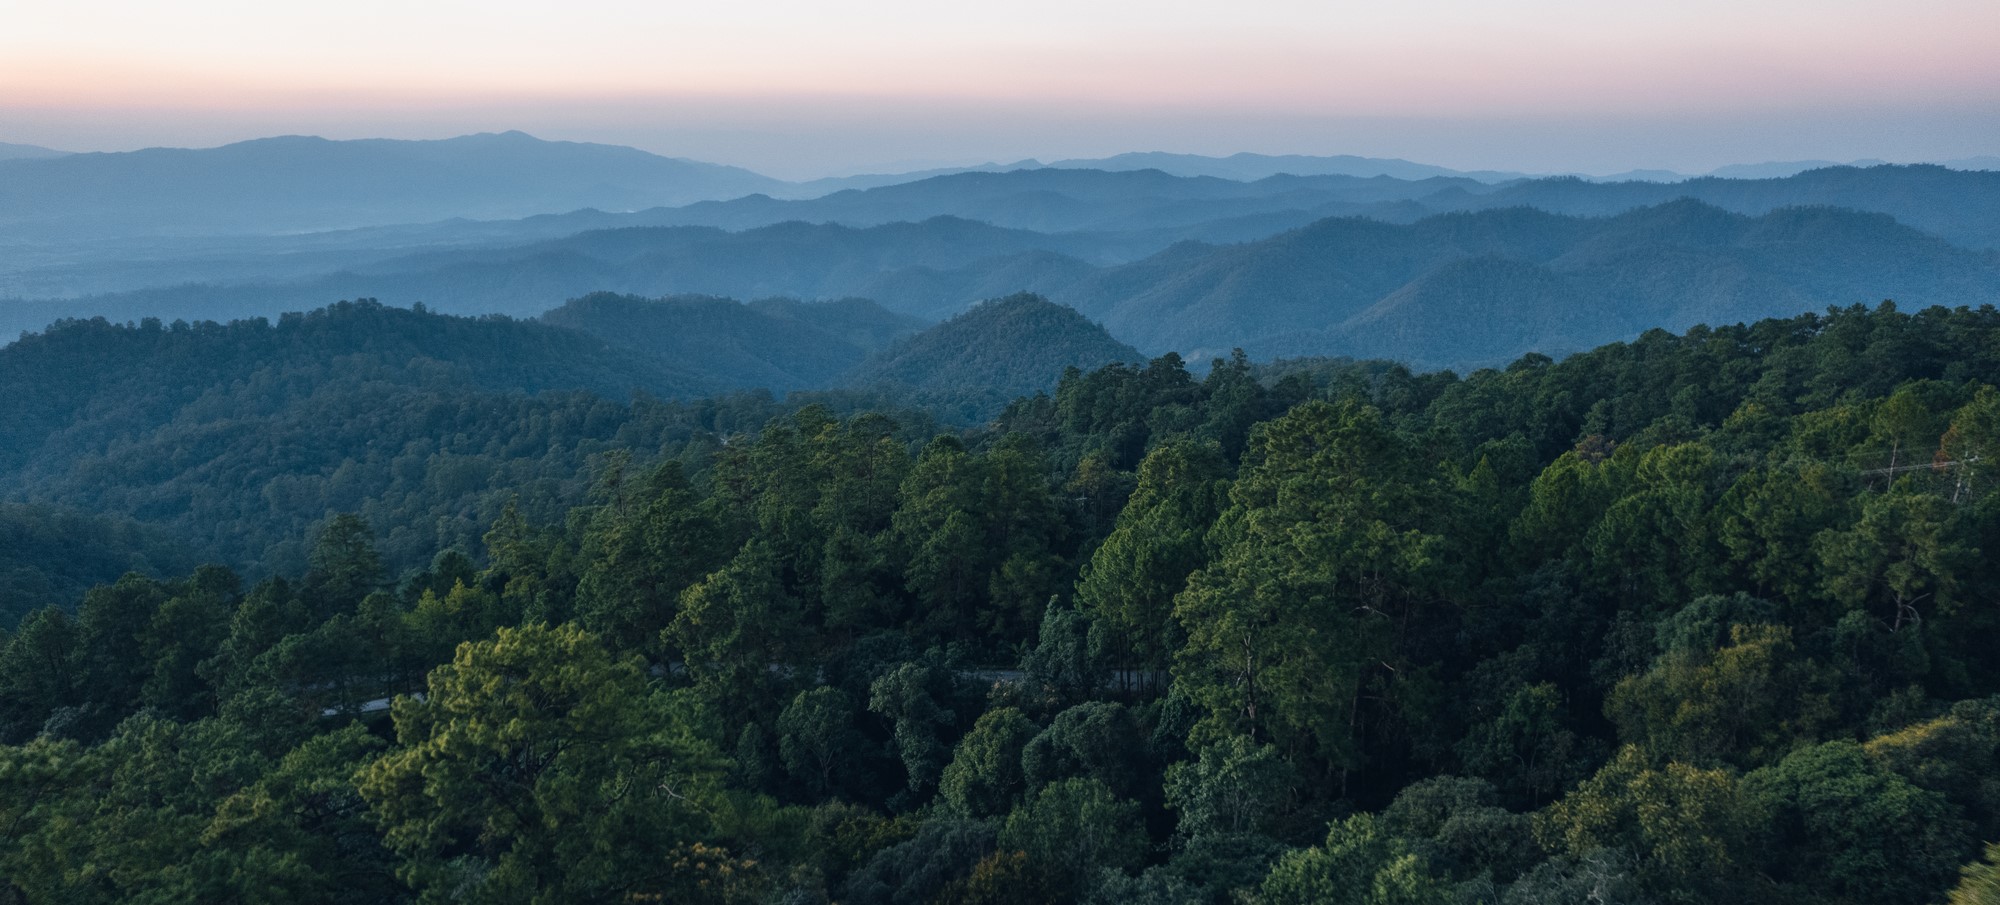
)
(897, 166)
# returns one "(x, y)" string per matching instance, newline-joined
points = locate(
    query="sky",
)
(798, 89)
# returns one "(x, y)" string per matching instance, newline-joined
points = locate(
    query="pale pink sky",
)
(804, 88)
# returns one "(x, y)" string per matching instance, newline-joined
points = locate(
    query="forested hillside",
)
(776, 344)
(1000, 349)
(1699, 618)
(49, 557)
(239, 438)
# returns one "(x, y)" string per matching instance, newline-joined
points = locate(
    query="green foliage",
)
(1904, 557)
(1426, 610)
(1688, 828)
(1528, 746)
(1746, 702)
(50, 557)
(1320, 552)
(1069, 831)
(921, 701)
(1235, 786)
(539, 767)
(818, 741)
(985, 776)
(1359, 864)
(650, 541)
(1455, 826)
(1851, 828)
(1130, 583)
(731, 628)
(302, 833)
(913, 872)
(1063, 668)
(1101, 740)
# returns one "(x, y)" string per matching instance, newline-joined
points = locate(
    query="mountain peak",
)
(1014, 345)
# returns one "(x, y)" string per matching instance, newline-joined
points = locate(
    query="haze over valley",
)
(1359, 257)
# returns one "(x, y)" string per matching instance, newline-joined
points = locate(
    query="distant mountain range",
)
(931, 269)
(27, 152)
(1449, 290)
(1098, 217)
(1439, 269)
(300, 183)
(1247, 167)
(1779, 169)
(1484, 287)
(294, 184)
(1153, 209)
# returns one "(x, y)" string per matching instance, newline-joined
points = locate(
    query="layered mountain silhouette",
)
(1247, 166)
(1443, 270)
(297, 183)
(27, 152)
(1449, 290)
(1477, 288)
(1957, 205)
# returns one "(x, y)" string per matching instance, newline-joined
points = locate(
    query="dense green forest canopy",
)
(1695, 618)
(242, 438)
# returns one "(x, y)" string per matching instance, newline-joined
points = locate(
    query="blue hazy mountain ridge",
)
(222, 278)
(1059, 200)
(1365, 288)
(303, 183)
(1779, 169)
(1449, 290)
(1242, 166)
(1147, 210)
(1956, 204)
(27, 152)
(931, 269)
(1962, 206)
(1247, 166)
(297, 183)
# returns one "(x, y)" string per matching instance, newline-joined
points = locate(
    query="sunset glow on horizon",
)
(899, 81)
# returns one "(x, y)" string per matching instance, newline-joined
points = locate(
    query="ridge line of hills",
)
(1450, 290)
(294, 184)
(359, 405)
